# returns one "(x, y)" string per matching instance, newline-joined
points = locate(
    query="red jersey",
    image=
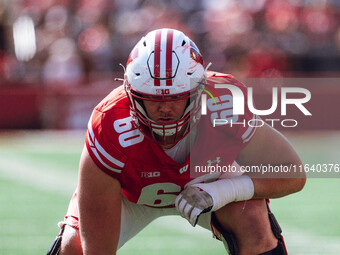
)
(146, 173)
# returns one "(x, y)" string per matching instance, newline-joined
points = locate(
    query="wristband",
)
(228, 190)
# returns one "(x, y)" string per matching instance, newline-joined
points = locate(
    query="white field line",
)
(47, 178)
(38, 175)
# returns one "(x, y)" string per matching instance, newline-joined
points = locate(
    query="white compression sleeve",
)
(225, 191)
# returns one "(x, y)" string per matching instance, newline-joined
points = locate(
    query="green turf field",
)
(38, 172)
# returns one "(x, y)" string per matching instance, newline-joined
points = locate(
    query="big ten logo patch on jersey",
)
(150, 174)
(128, 134)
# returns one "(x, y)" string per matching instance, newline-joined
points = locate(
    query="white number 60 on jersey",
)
(128, 134)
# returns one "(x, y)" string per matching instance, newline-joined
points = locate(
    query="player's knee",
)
(249, 222)
(245, 215)
(70, 244)
(255, 223)
(255, 216)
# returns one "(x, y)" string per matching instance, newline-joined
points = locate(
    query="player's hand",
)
(192, 202)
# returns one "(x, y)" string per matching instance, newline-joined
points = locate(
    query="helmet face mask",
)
(165, 66)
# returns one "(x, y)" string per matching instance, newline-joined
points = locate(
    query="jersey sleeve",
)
(100, 143)
(241, 127)
(244, 126)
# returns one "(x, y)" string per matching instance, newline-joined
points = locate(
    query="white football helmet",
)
(165, 65)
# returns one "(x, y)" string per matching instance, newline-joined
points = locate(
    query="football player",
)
(144, 140)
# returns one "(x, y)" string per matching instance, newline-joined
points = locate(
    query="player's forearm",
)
(99, 224)
(278, 180)
(99, 209)
(275, 188)
(94, 249)
(219, 193)
(99, 227)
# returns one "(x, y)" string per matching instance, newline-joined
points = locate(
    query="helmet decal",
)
(157, 58)
(164, 60)
(133, 55)
(195, 54)
(165, 65)
(169, 57)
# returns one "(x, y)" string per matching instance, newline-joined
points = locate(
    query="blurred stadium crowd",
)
(48, 42)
